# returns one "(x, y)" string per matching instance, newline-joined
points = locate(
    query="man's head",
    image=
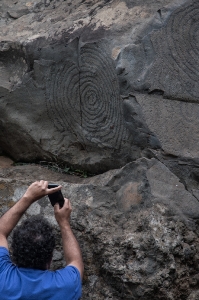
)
(33, 243)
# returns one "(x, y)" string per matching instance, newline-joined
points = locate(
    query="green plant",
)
(60, 167)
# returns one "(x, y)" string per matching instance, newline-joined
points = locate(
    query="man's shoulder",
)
(4, 250)
(4, 253)
(70, 271)
(69, 277)
(5, 260)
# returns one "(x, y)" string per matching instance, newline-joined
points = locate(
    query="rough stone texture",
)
(165, 58)
(137, 227)
(67, 69)
(175, 123)
(107, 85)
(64, 66)
(5, 162)
(59, 87)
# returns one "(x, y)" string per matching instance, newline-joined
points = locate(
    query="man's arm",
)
(9, 220)
(72, 252)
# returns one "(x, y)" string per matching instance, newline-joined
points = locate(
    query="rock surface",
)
(109, 86)
(137, 227)
(96, 84)
(67, 69)
(64, 67)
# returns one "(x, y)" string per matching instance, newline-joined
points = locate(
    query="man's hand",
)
(62, 215)
(71, 247)
(9, 220)
(38, 190)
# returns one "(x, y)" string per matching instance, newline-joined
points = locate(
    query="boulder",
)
(64, 69)
(137, 227)
(110, 88)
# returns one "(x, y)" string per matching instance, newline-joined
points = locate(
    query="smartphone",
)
(56, 197)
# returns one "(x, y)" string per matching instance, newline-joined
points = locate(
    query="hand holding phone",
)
(56, 197)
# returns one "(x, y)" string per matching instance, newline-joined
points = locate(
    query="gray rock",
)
(137, 227)
(108, 86)
(59, 85)
(172, 122)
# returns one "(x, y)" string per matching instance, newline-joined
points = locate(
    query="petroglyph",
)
(176, 66)
(83, 97)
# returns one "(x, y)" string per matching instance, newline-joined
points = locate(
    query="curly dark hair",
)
(33, 243)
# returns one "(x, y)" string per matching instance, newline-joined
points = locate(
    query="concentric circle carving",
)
(176, 67)
(83, 97)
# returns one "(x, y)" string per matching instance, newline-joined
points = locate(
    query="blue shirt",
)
(32, 284)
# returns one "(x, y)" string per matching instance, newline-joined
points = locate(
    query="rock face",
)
(67, 70)
(59, 88)
(85, 82)
(109, 86)
(137, 227)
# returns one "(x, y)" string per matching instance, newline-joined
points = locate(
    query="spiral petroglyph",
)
(83, 97)
(176, 66)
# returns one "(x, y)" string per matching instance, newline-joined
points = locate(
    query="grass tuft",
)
(59, 167)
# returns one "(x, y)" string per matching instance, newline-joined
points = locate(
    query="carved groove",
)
(176, 67)
(84, 98)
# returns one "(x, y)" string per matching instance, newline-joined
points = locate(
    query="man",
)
(33, 244)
